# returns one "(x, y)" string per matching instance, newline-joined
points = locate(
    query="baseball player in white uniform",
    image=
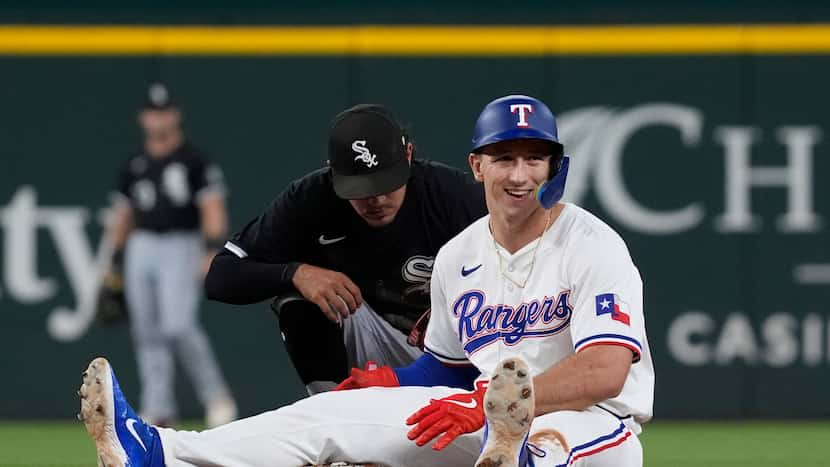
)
(541, 296)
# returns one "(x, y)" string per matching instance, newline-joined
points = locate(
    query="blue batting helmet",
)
(524, 117)
(514, 117)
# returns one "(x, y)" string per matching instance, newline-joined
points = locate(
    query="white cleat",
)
(509, 406)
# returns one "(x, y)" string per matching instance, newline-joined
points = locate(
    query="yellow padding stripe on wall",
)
(486, 41)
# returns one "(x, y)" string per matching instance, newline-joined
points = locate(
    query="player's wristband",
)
(429, 371)
(117, 261)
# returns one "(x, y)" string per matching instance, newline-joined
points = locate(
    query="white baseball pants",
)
(368, 426)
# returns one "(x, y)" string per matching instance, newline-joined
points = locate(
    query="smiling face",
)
(511, 171)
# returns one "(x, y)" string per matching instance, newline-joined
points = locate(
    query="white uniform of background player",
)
(568, 301)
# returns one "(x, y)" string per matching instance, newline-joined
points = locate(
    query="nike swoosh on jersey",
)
(328, 241)
(466, 272)
(467, 405)
(130, 422)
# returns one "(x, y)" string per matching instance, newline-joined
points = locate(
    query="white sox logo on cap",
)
(363, 153)
(523, 110)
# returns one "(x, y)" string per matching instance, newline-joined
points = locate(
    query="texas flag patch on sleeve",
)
(609, 303)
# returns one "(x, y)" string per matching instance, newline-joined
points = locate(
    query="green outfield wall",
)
(712, 165)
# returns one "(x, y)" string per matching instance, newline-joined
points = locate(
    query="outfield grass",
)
(667, 444)
(737, 444)
(47, 444)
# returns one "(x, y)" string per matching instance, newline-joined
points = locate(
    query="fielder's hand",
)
(451, 416)
(371, 376)
(332, 291)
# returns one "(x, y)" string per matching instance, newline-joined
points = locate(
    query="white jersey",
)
(583, 290)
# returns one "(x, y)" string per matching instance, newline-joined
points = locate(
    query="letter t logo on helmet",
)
(521, 109)
(524, 117)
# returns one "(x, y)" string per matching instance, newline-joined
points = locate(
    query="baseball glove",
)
(111, 305)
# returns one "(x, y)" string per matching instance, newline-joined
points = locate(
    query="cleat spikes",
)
(509, 406)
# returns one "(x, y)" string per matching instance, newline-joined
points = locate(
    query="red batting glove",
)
(371, 376)
(453, 416)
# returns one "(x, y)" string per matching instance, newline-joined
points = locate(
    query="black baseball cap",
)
(367, 152)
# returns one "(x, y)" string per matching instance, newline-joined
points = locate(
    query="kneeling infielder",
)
(541, 296)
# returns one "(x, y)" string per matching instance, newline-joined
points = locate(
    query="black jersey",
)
(164, 192)
(308, 223)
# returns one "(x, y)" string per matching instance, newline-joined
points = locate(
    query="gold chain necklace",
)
(532, 262)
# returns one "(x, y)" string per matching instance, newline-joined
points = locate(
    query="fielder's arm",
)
(120, 224)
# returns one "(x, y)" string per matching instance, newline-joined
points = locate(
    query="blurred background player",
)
(168, 221)
(348, 249)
